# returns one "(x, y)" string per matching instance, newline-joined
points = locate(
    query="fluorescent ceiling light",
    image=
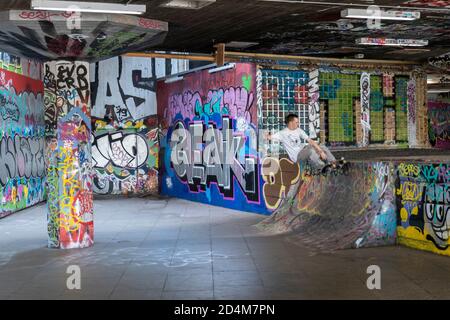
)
(392, 42)
(97, 7)
(438, 90)
(187, 4)
(382, 15)
(222, 68)
(173, 79)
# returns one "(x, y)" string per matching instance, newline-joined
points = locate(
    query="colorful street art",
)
(279, 176)
(69, 173)
(87, 36)
(439, 124)
(26, 67)
(365, 107)
(125, 162)
(125, 138)
(344, 94)
(22, 166)
(349, 209)
(209, 143)
(423, 204)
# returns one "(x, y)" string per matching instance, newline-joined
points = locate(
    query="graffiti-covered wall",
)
(439, 123)
(423, 203)
(22, 166)
(125, 142)
(69, 171)
(209, 143)
(352, 207)
(342, 107)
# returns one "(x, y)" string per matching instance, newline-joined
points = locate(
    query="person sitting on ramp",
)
(293, 139)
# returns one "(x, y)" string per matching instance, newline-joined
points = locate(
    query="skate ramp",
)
(348, 208)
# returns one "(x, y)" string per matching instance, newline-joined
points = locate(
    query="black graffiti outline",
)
(252, 178)
(19, 149)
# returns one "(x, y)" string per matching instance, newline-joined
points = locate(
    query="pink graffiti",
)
(237, 101)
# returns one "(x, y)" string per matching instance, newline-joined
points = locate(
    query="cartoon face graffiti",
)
(436, 215)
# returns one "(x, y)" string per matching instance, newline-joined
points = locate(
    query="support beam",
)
(230, 56)
(69, 168)
(220, 54)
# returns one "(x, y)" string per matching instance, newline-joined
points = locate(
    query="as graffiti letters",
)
(124, 89)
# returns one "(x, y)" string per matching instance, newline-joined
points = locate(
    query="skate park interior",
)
(88, 131)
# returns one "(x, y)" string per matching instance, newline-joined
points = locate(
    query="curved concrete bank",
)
(347, 209)
(368, 204)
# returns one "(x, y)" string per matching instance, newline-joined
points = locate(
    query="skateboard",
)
(340, 166)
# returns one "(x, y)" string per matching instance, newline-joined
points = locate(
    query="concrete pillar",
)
(69, 167)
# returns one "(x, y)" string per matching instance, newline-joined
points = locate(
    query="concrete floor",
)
(157, 249)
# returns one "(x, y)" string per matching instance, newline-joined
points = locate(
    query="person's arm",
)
(314, 144)
(316, 147)
(272, 137)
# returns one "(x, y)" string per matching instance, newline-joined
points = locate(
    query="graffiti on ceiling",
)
(83, 36)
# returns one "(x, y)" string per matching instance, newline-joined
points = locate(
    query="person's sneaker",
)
(327, 168)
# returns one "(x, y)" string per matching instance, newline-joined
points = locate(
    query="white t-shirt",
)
(292, 141)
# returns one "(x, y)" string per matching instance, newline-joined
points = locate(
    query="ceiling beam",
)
(235, 56)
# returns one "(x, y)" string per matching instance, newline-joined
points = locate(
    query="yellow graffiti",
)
(409, 191)
(414, 238)
(70, 187)
(408, 170)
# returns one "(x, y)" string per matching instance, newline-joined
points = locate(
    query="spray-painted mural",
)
(69, 173)
(125, 138)
(423, 203)
(22, 167)
(209, 144)
(439, 124)
(350, 208)
(379, 102)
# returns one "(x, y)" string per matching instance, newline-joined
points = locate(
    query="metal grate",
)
(284, 92)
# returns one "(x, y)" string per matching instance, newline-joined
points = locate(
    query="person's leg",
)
(309, 154)
(330, 156)
(304, 154)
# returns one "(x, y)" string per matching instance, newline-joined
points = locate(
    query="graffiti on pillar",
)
(439, 124)
(70, 212)
(22, 165)
(412, 129)
(423, 205)
(365, 107)
(314, 105)
(125, 162)
(209, 143)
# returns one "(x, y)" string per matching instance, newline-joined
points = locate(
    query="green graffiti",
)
(247, 82)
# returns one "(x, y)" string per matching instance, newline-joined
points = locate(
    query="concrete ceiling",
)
(293, 27)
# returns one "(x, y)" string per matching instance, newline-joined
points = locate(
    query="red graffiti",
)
(43, 15)
(150, 24)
